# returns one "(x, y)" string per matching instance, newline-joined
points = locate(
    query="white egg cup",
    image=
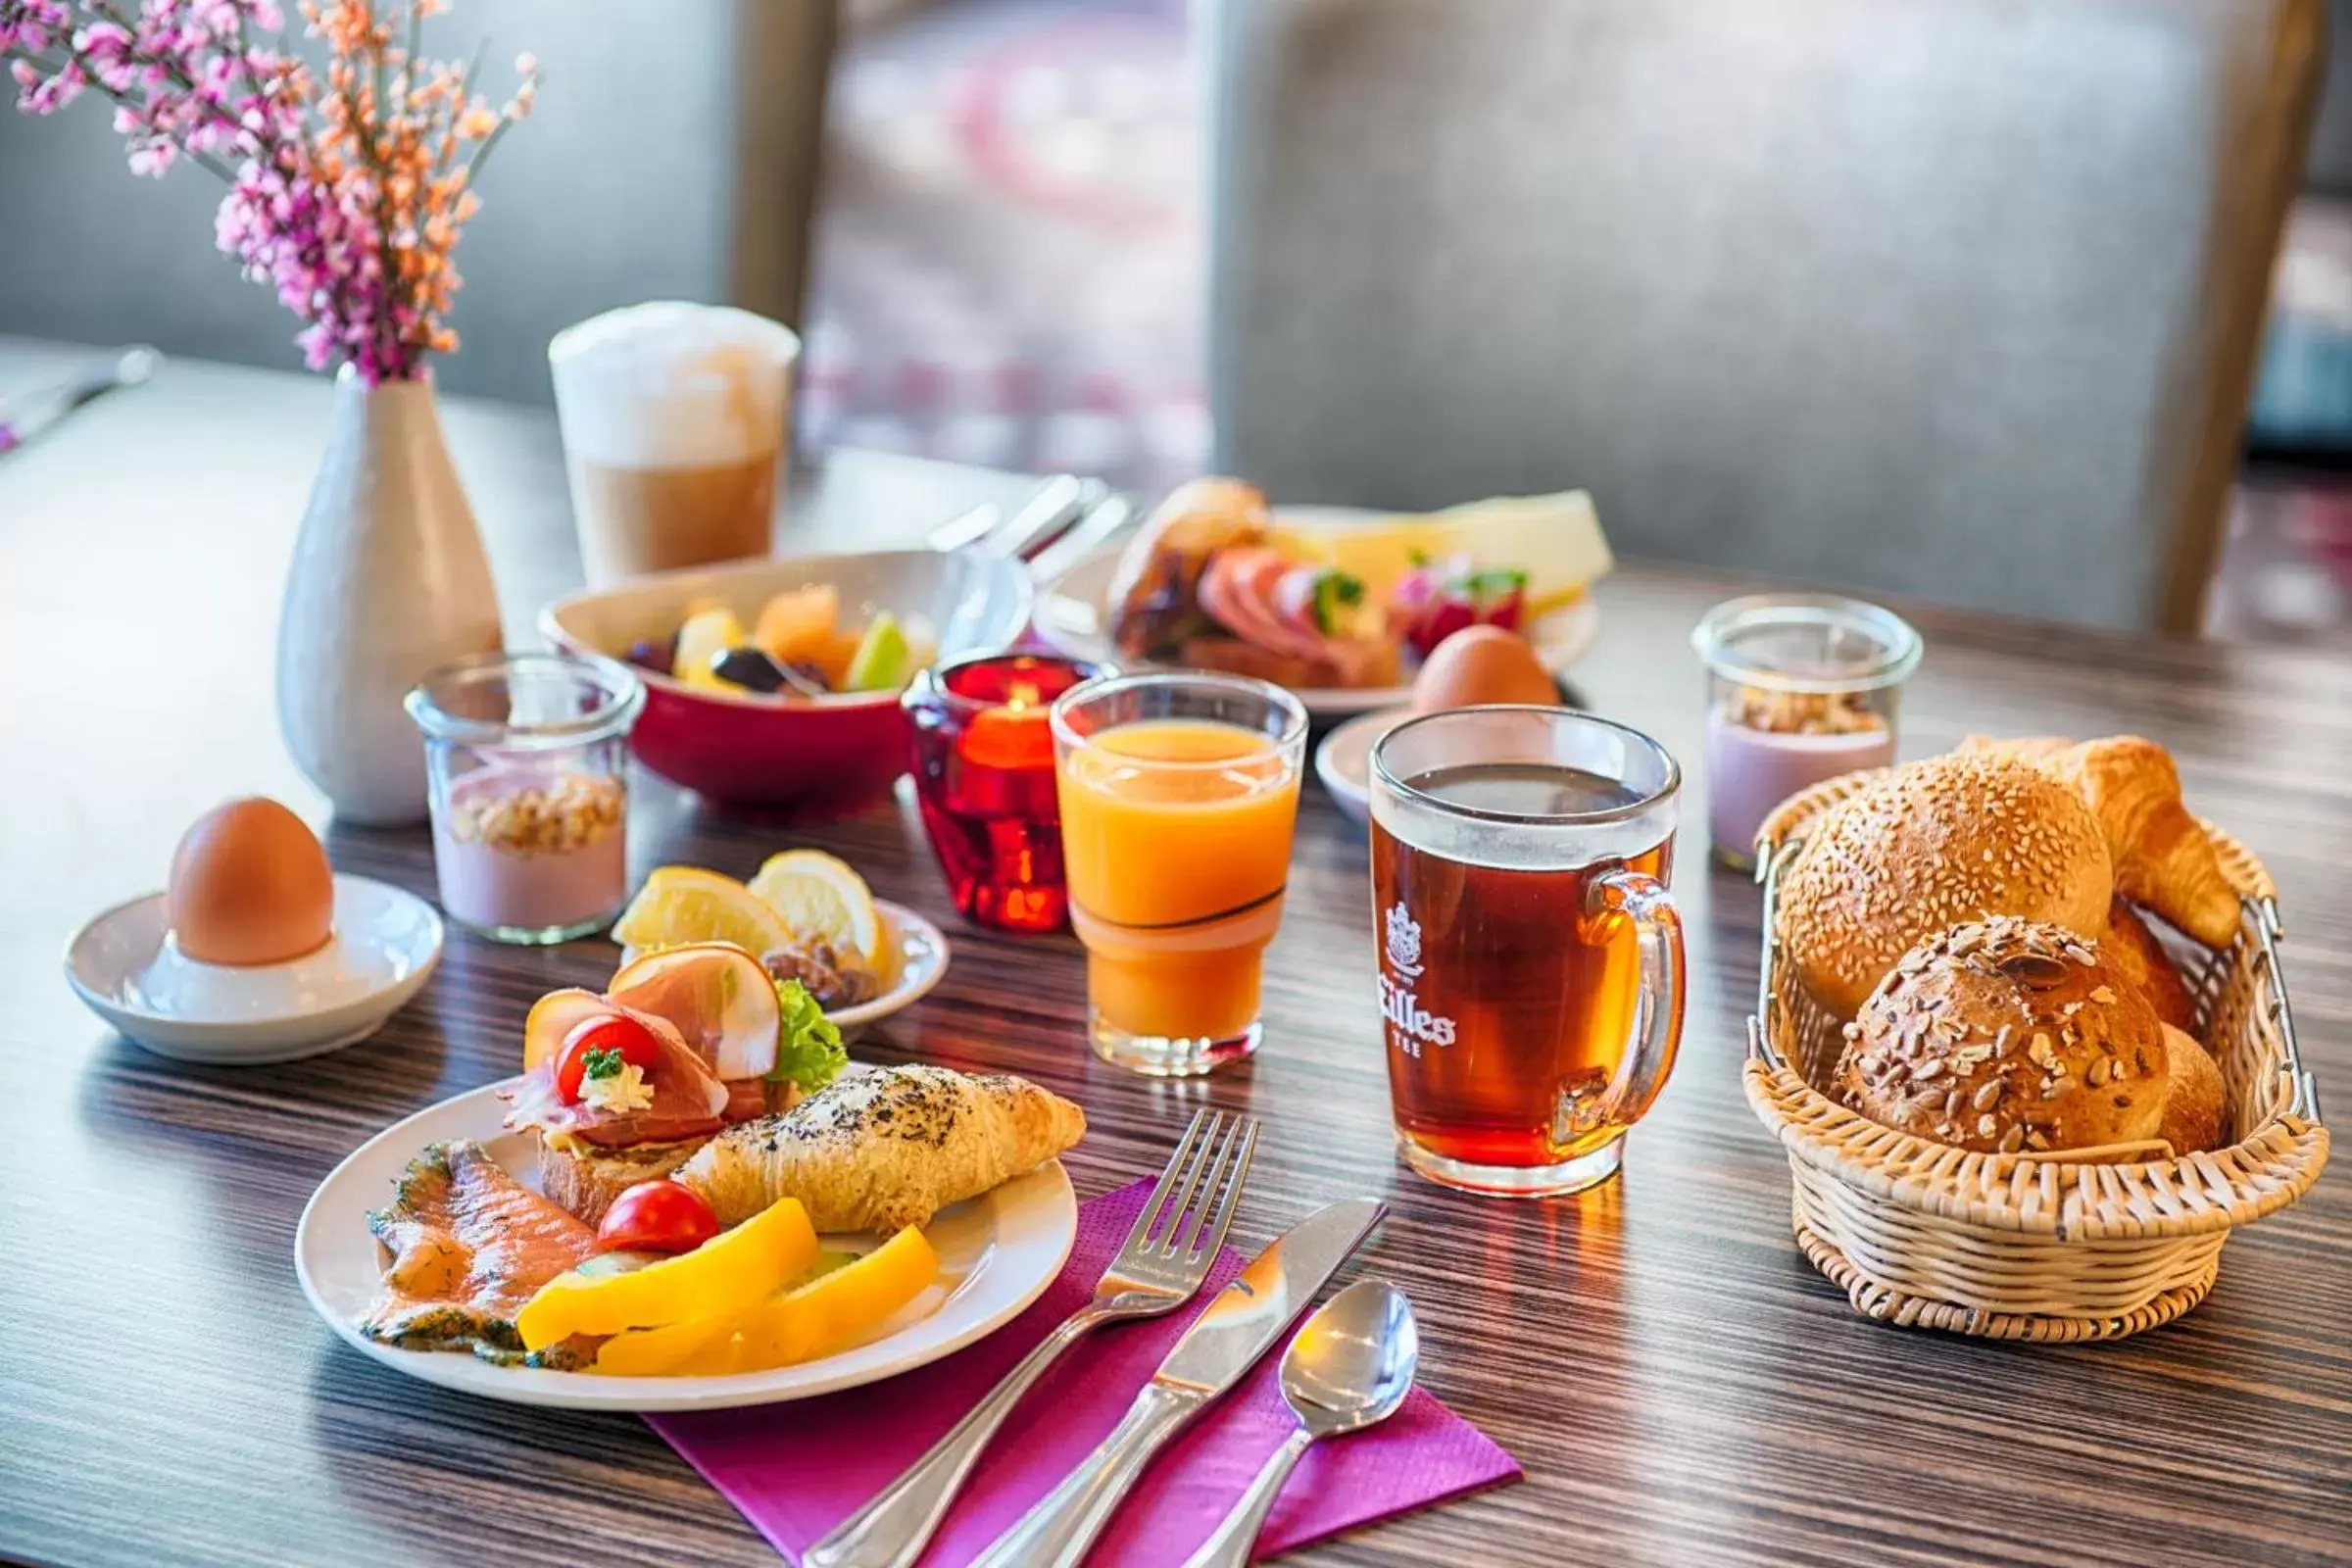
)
(126, 965)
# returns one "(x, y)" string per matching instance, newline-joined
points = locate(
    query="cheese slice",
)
(1557, 540)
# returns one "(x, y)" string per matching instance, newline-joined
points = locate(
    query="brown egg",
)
(1481, 664)
(250, 885)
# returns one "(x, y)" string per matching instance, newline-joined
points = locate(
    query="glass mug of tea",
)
(1531, 958)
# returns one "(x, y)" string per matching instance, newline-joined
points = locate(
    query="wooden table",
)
(1681, 1387)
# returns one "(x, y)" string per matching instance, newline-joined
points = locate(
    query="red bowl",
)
(815, 751)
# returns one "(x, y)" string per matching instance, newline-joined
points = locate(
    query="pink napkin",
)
(797, 1470)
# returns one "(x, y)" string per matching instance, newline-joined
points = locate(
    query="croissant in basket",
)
(2163, 857)
(2131, 950)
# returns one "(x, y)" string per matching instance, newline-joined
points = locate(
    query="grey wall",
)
(2331, 167)
(671, 155)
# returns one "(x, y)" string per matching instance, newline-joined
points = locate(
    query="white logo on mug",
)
(1411, 1025)
(1404, 943)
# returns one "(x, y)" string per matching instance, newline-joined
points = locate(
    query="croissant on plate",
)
(2163, 857)
(876, 1150)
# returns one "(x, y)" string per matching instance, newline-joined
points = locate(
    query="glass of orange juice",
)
(1178, 792)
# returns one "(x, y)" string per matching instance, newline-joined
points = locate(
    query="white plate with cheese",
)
(1554, 539)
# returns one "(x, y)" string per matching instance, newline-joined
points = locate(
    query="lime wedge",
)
(881, 662)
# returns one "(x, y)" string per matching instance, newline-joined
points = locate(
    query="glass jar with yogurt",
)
(1800, 688)
(526, 753)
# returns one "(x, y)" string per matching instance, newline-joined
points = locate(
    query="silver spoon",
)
(1351, 1366)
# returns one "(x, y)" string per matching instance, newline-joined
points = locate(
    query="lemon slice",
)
(823, 900)
(683, 904)
(707, 634)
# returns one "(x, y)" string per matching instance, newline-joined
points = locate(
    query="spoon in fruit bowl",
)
(1349, 1369)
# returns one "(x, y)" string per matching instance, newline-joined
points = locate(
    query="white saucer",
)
(1343, 761)
(126, 966)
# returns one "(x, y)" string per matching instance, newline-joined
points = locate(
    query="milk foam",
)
(668, 385)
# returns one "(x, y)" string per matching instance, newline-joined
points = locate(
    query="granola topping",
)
(571, 813)
(1802, 713)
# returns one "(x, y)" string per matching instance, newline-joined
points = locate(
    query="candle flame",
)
(1021, 695)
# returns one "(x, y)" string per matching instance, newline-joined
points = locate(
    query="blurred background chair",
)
(673, 154)
(1949, 298)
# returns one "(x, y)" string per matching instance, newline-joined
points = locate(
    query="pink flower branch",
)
(341, 193)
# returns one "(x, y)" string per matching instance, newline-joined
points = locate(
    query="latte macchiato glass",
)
(1531, 961)
(674, 420)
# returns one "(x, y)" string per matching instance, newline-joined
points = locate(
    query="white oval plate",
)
(997, 1252)
(385, 944)
(1343, 761)
(1072, 615)
(923, 964)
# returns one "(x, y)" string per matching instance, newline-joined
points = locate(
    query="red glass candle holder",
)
(983, 762)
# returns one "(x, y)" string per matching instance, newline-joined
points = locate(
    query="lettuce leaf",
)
(808, 1048)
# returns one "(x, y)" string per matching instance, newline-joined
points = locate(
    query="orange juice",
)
(1176, 843)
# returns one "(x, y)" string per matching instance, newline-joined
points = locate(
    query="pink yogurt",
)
(1749, 771)
(494, 885)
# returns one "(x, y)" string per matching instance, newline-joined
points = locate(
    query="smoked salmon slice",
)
(468, 1246)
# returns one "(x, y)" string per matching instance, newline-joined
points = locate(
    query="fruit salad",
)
(797, 646)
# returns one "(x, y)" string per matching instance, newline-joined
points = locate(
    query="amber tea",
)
(1530, 974)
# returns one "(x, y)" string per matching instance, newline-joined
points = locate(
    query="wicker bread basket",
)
(2090, 1244)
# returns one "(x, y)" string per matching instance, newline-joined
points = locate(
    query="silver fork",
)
(1158, 1270)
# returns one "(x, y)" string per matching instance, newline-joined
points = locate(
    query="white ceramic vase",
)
(389, 581)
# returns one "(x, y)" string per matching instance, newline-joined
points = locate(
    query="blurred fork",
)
(1159, 1269)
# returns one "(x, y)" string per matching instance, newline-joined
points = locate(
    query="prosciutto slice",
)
(746, 1097)
(689, 1099)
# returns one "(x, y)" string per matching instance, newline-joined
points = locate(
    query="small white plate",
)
(997, 1252)
(1073, 616)
(923, 964)
(124, 968)
(1343, 761)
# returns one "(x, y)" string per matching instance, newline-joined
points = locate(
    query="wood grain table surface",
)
(1679, 1385)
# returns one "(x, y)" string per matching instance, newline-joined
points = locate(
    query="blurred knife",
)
(1102, 523)
(23, 417)
(968, 529)
(1061, 501)
(1052, 507)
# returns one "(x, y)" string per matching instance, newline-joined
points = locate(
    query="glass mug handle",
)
(1657, 1030)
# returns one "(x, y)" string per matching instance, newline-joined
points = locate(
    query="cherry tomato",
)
(615, 1031)
(657, 1217)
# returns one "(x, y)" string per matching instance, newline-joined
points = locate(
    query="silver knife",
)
(1104, 520)
(1223, 1343)
(1058, 503)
